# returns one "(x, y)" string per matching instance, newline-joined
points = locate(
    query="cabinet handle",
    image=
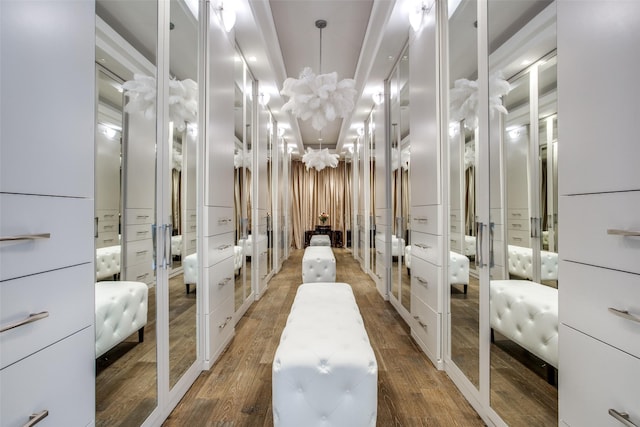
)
(624, 314)
(421, 219)
(623, 417)
(141, 252)
(224, 281)
(420, 322)
(623, 233)
(140, 233)
(142, 276)
(422, 281)
(25, 237)
(36, 418)
(378, 252)
(223, 247)
(422, 245)
(142, 216)
(32, 318)
(226, 321)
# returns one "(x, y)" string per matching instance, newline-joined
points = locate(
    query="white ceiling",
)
(363, 40)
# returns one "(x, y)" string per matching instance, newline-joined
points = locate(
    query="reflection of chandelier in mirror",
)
(464, 99)
(183, 99)
(319, 159)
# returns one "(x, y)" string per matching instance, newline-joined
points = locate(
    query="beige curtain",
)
(313, 192)
(175, 201)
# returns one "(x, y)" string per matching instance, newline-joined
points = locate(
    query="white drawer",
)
(595, 377)
(52, 292)
(220, 247)
(107, 239)
(455, 227)
(518, 238)
(455, 245)
(190, 227)
(427, 246)
(218, 220)
(59, 379)
(221, 282)
(138, 216)
(426, 326)
(518, 225)
(191, 215)
(221, 325)
(425, 280)
(585, 296)
(191, 242)
(139, 252)
(455, 215)
(517, 214)
(587, 240)
(108, 227)
(69, 222)
(140, 273)
(107, 215)
(426, 219)
(135, 232)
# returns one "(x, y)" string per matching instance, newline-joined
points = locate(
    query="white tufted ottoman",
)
(320, 240)
(526, 313)
(121, 310)
(324, 371)
(190, 270)
(318, 265)
(521, 263)
(107, 262)
(458, 270)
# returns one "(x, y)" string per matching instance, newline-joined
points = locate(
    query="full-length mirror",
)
(462, 278)
(126, 342)
(523, 296)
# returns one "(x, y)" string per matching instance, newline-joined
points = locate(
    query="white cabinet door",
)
(47, 99)
(597, 39)
(425, 147)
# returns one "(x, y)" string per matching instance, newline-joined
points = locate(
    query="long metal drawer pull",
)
(225, 322)
(224, 281)
(623, 233)
(139, 233)
(624, 314)
(623, 417)
(32, 318)
(36, 418)
(141, 252)
(422, 281)
(420, 322)
(142, 276)
(421, 219)
(422, 245)
(25, 237)
(223, 247)
(379, 252)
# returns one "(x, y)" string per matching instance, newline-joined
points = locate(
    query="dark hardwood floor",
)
(237, 390)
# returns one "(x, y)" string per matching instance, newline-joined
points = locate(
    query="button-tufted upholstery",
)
(397, 246)
(318, 265)
(121, 310)
(458, 270)
(107, 262)
(176, 245)
(469, 246)
(324, 371)
(320, 240)
(190, 270)
(521, 263)
(526, 313)
(237, 258)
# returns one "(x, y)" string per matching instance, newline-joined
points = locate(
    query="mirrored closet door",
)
(146, 240)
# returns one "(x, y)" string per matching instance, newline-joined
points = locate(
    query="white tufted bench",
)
(107, 262)
(469, 246)
(521, 263)
(324, 370)
(320, 240)
(121, 310)
(397, 246)
(458, 270)
(318, 265)
(176, 245)
(527, 313)
(190, 270)
(237, 259)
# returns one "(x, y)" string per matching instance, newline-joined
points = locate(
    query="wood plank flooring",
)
(237, 389)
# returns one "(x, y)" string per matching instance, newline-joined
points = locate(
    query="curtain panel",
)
(313, 192)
